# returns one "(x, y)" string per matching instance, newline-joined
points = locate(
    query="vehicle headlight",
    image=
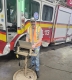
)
(6, 49)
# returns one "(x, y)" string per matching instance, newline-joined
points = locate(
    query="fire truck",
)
(54, 19)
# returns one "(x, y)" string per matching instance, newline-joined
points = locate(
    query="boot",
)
(37, 73)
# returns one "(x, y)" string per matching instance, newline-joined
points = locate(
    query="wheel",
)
(15, 49)
(23, 39)
(71, 41)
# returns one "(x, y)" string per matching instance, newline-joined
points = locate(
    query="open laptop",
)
(24, 44)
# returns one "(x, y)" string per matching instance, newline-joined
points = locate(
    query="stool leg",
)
(25, 65)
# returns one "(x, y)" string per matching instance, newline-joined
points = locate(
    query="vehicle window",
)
(12, 15)
(11, 11)
(0, 5)
(30, 8)
(47, 13)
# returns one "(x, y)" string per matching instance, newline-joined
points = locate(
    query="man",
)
(35, 35)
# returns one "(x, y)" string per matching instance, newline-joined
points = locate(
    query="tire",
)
(23, 39)
(71, 41)
(15, 49)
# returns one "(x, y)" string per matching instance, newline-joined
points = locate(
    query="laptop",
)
(24, 44)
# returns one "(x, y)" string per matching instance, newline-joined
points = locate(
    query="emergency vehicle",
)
(54, 19)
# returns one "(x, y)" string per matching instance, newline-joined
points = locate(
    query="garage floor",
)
(55, 64)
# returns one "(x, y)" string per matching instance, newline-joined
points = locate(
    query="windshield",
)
(30, 8)
(0, 5)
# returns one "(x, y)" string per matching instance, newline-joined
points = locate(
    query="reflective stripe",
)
(36, 34)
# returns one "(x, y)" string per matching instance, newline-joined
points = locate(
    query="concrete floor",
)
(56, 64)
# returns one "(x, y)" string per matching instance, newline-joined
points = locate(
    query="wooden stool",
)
(25, 74)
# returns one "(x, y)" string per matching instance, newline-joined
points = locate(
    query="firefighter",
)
(34, 35)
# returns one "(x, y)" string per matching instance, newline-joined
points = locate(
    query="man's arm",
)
(27, 37)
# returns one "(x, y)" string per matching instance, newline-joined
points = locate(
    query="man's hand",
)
(33, 46)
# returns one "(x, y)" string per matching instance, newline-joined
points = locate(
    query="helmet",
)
(32, 19)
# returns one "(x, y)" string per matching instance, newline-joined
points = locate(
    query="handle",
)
(9, 34)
